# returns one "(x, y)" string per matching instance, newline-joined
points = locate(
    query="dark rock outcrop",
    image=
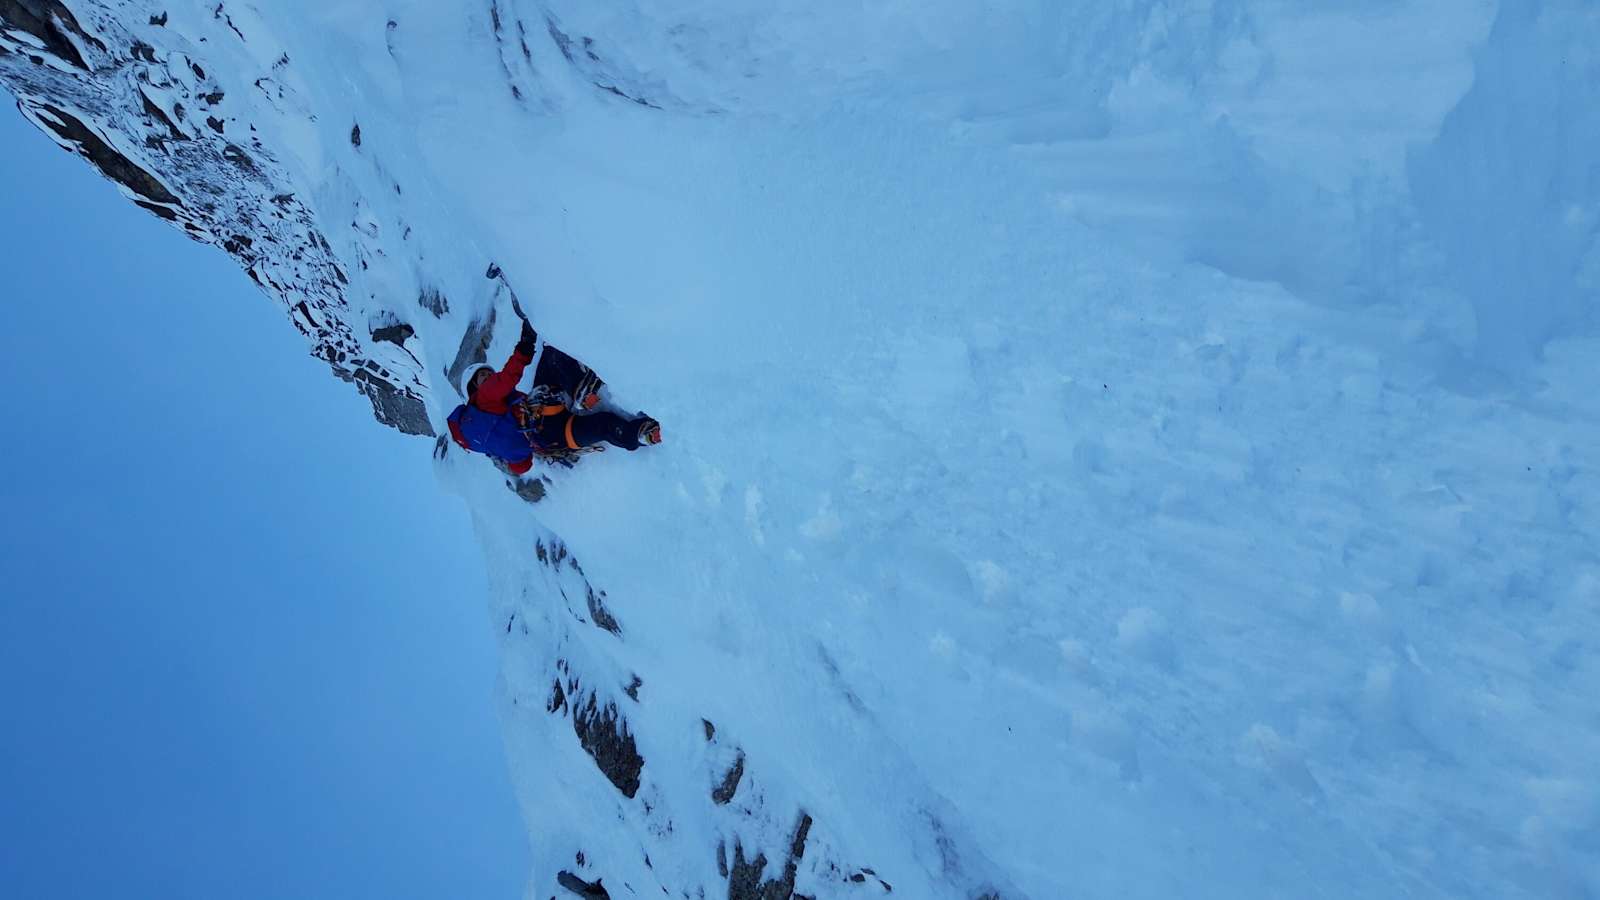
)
(69, 129)
(601, 729)
(600, 615)
(52, 24)
(396, 334)
(473, 352)
(582, 888)
(604, 735)
(724, 792)
(744, 876)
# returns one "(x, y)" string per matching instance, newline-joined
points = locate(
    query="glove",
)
(529, 342)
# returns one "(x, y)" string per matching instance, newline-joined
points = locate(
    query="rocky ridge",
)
(161, 125)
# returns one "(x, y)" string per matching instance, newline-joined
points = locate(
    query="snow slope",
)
(1127, 450)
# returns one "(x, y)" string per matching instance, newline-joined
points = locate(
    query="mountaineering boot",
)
(649, 430)
(586, 393)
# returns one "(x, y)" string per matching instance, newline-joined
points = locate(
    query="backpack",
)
(499, 436)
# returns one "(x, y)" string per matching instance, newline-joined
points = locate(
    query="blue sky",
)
(245, 650)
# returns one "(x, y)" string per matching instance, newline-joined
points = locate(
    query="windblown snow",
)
(1112, 450)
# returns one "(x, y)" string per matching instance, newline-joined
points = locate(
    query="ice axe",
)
(495, 272)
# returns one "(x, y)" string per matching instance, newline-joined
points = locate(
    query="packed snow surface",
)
(1136, 449)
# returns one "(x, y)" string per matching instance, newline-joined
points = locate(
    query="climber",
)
(557, 420)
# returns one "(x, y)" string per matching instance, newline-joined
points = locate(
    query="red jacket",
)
(494, 395)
